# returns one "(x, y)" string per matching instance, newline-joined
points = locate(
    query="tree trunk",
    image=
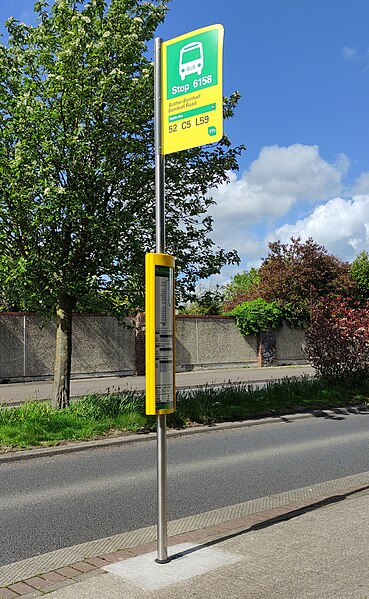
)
(63, 351)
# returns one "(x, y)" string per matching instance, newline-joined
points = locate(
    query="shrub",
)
(338, 340)
(297, 274)
(208, 301)
(257, 315)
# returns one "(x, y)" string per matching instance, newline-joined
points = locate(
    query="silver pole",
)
(159, 157)
(162, 535)
(161, 439)
(24, 346)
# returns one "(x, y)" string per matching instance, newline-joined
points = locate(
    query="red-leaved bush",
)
(295, 275)
(338, 339)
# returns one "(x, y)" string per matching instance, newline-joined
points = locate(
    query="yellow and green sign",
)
(192, 97)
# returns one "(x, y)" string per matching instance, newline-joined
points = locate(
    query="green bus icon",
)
(191, 59)
(212, 131)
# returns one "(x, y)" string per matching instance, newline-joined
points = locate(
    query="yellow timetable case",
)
(160, 334)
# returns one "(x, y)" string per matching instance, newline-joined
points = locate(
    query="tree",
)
(240, 288)
(205, 301)
(295, 275)
(360, 274)
(77, 169)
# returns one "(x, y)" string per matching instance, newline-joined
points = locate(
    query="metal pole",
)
(24, 346)
(162, 535)
(159, 157)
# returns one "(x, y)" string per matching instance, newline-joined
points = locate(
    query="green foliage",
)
(77, 184)
(360, 273)
(257, 315)
(295, 314)
(36, 423)
(77, 201)
(295, 275)
(67, 85)
(239, 288)
(104, 301)
(208, 301)
(111, 405)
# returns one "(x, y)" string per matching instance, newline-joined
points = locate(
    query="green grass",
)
(36, 423)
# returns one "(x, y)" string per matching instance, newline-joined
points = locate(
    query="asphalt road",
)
(19, 392)
(55, 502)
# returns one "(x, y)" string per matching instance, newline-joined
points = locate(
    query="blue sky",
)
(302, 68)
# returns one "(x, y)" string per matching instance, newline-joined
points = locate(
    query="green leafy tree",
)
(360, 274)
(240, 288)
(77, 170)
(207, 301)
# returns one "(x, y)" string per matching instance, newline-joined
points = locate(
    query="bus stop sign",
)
(192, 97)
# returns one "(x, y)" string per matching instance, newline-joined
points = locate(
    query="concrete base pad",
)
(187, 561)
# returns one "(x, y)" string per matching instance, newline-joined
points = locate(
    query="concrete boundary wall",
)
(204, 342)
(102, 347)
(290, 344)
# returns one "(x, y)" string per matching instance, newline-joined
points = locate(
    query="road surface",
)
(49, 503)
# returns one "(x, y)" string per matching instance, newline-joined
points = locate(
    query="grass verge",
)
(36, 423)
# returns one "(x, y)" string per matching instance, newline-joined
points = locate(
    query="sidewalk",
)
(19, 392)
(310, 543)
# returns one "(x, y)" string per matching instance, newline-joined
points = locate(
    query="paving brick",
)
(53, 577)
(258, 518)
(68, 571)
(33, 595)
(83, 567)
(7, 594)
(198, 535)
(142, 549)
(110, 557)
(177, 539)
(276, 511)
(123, 554)
(97, 561)
(87, 575)
(37, 582)
(243, 522)
(21, 588)
(222, 528)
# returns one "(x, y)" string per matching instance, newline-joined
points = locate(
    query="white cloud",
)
(280, 184)
(361, 185)
(276, 181)
(296, 172)
(342, 164)
(341, 225)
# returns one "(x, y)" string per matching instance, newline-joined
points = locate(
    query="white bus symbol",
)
(191, 59)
